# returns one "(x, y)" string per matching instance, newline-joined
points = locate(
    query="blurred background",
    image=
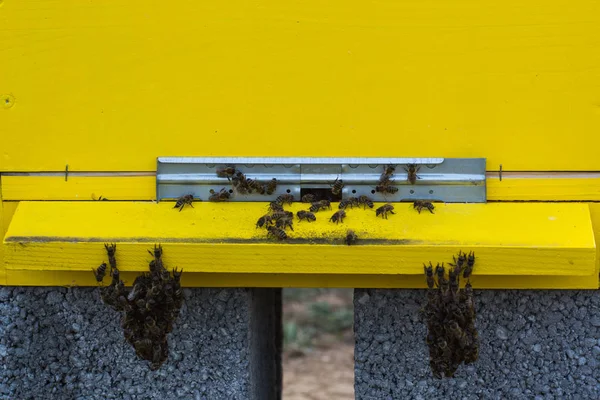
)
(318, 358)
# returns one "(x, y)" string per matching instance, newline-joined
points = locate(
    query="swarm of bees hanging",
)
(450, 312)
(149, 309)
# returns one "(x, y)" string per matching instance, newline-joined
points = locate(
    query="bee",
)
(412, 173)
(226, 172)
(157, 254)
(264, 220)
(307, 215)
(284, 223)
(275, 206)
(457, 333)
(349, 202)
(276, 215)
(421, 204)
(256, 185)
(428, 269)
(276, 233)
(100, 272)
(183, 200)
(440, 271)
(386, 188)
(454, 281)
(384, 210)
(365, 201)
(350, 237)
(308, 198)
(470, 263)
(458, 264)
(111, 250)
(177, 275)
(222, 195)
(271, 186)
(240, 183)
(285, 199)
(388, 170)
(320, 205)
(338, 216)
(337, 186)
(468, 300)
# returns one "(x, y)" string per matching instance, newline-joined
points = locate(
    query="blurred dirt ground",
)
(318, 359)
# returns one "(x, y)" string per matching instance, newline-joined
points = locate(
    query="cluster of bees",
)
(450, 312)
(277, 220)
(149, 309)
(243, 185)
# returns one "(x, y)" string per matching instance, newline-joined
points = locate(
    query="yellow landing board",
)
(111, 85)
(509, 239)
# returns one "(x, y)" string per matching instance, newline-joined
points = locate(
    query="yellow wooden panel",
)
(595, 215)
(112, 85)
(3, 227)
(79, 188)
(199, 279)
(16, 188)
(543, 189)
(510, 239)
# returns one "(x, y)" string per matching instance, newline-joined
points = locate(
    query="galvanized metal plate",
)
(448, 180)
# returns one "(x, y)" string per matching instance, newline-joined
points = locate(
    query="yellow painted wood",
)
(111, 86)
(543, 189)
(595, 215)
(510, 239)
(3, 227)
(79, 188)
(199, 279)
(16, 188)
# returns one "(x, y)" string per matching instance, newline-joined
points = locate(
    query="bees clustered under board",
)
(450, 311)
(148, 309)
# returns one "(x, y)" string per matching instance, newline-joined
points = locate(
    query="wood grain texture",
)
(519, 188)
(199, 279)
(509, 239)
(111, 86)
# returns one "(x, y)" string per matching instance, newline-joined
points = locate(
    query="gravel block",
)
(533, 344)
(64, 343)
